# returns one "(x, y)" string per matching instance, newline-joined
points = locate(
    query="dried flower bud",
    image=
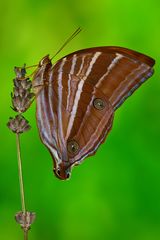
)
(24, 84)
(20, 72)
(21, 100)
(18, 124)
(22, 96)
(25, 219)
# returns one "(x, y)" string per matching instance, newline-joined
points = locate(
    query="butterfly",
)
(77, 97)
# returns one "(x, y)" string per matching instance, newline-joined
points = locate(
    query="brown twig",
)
(25, 235)
(20, 173)
(22, 98)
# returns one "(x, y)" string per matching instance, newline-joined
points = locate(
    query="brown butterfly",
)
(77, 97)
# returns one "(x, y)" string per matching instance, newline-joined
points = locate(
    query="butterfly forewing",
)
(118, 72)
(76, 104)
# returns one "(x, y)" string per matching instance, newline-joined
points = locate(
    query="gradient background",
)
(115, 194)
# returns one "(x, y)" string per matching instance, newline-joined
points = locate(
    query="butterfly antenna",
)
(36, 65)
(68, 40)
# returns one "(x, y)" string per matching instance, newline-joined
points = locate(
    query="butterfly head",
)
(45, 61)
(62, 170)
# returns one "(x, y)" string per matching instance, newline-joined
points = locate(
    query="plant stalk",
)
(20, 173)
(21, 180)
(25, 235)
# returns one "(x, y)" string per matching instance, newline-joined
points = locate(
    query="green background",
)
(115, 194)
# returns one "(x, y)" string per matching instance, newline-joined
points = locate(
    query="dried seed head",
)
(20, 72)
(21, 101)
(25, 219)
(18, 124)
(22, 96)
(24, 84)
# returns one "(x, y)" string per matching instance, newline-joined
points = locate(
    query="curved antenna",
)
(65, 43)
(68, 40)
(36, 65)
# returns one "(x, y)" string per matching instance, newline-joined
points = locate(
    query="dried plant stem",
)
(25, 235)
(20, 173)
(21, 180)
(22, 98)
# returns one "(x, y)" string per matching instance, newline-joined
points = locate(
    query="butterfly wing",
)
(59, 123)
(75, 108)
(117, 71)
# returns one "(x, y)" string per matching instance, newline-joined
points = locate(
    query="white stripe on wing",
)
(110, 67)
(74, 60)
(79, 91)
(60, 122)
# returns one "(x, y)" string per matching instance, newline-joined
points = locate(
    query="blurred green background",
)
(115, 194)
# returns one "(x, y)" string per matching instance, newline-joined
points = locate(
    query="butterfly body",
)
(77, 97)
